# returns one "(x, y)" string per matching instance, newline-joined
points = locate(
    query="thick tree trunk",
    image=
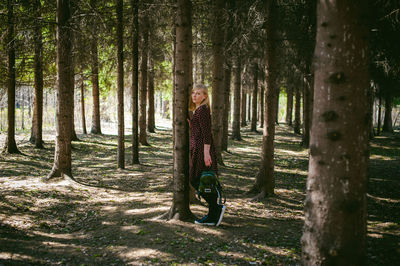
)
(62, 154)
(335, 206)
(135, 82)
(218, 91)
(83, 106)
(150, 95)
(143, 85)
(180, 205)
(236, 100)
(289, 105)
(254, 101)
(227, 109)
(296, 123)
(120, 89)
(387, 121)
(11, 145)
(96, 125)
(37, 119)
(243, 108)
(265, 179)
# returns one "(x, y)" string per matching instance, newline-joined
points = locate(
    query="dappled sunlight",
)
(112, 216)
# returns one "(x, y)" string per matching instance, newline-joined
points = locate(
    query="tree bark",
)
(143, 85)
(265, 179)
(289, 105)
(150, 95)
(96, 125)
(37, 119)
(335, 206)
(236, 100)
(135, 82)
(387, 121)
(83, 106)
(254, 101)
(180, 204)
(296, 123)
(120, 89)
(218, 92)
(62, 154)
(11, 145)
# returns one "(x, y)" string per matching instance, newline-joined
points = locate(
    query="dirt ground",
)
(109, 216)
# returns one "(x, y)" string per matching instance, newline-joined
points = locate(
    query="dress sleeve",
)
(205, 124)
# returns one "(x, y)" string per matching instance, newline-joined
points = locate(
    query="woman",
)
(202, 152)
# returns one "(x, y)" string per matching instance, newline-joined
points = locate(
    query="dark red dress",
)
(201, 134)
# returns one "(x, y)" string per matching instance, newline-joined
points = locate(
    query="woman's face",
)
(198, 96)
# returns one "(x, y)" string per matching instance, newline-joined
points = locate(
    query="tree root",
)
(262, 195)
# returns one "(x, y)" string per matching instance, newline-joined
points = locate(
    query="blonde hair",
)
(206, 101)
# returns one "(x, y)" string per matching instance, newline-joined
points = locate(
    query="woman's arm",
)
(205, 127)
(207, 156)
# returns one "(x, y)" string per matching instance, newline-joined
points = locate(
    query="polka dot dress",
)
(200, 134)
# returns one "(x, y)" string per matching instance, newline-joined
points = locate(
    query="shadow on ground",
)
(107, 216)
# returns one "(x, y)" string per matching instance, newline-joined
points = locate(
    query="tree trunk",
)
(203, 72)
(74, 137)
(23, 108)
(248, 108)
(335, 206)
(150, 95)
(62, 154)
(120, 89)
(296, 124)
(180, 205)
(83, 105)
(306, 113)
(218, 91)
(378, 130)
(96, 125)
(265, 180)
(236, 100)
(387, 121)
(37, 119)
(289, 105)
(278, 92)
(143, 85)
(243, 107)
(135, 82)
(11, 145)
(227, 109)
(254, 101)
(261, 116)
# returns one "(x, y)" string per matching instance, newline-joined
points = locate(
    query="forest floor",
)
(108, 217)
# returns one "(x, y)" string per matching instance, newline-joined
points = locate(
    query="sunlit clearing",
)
(143, 253)
(15, 257)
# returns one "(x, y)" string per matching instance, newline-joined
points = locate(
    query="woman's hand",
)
(207, 157)
(190, 124)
